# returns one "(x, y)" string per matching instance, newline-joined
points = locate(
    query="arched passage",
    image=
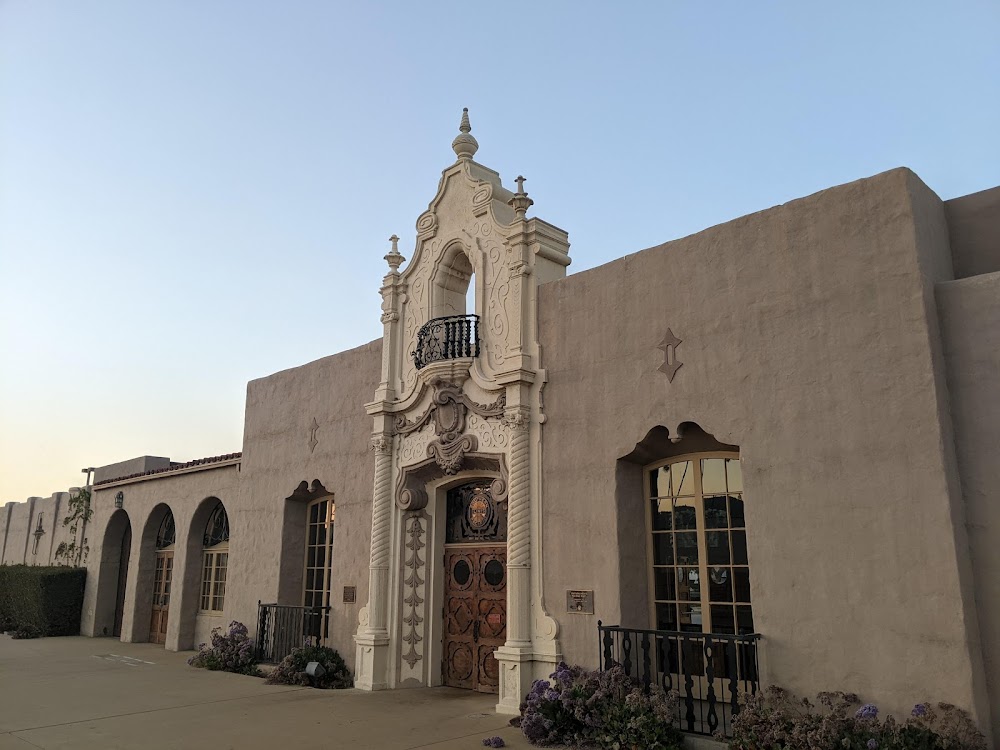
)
(206, 565)
(112, 575)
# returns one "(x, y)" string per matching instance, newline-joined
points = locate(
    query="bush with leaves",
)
(232, 651)
(292, 669)
(776, 720)
(599, 709)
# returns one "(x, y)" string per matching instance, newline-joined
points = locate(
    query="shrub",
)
(292, 669)
(775, 719)
(599, 709)
(230, 652)
(39, 600)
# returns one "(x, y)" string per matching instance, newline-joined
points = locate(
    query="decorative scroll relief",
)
(498, 287)
(414, 576)
(448, 411)
(413, 447)
(491, 433)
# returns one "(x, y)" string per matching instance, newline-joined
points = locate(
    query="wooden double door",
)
(475, 614)
(162, 577)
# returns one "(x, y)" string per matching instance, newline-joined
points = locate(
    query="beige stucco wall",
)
(974, 231)
(970, 320)
(809, 340)
(18, 522)
(277, 456)
(190, 495)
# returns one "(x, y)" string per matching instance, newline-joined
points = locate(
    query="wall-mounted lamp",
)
(119, 499)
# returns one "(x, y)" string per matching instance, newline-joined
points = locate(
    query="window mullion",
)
(704, 588)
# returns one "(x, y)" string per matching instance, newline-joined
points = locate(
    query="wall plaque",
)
(580, 602)
(350, 593)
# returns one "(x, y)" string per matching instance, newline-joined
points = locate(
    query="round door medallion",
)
(461, 572)
(479, 512)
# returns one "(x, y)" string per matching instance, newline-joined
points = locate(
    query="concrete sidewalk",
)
(100, 693)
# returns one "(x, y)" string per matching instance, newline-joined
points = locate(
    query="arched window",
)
(167, 533)
(319, 552)
(215, 561)
(698, 545)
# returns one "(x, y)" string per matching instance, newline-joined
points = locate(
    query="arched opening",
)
(155, 577)
(452, 284)
(206, 570)
(112, 576)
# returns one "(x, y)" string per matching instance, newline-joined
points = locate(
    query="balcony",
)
(708, 670)
(450, 337)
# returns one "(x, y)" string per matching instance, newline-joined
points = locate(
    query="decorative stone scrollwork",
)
(381, 444)
(412, 498)
(517, 418)
(415, 574)
(449, 410)
(427, 224)
(389, 317)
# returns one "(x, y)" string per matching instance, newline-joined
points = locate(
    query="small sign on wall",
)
(580, 602)
(350, 593)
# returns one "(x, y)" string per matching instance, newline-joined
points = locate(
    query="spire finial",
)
(465, 145)
(520, 202)
(394, 258)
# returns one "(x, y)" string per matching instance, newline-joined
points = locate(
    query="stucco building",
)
(772, 441)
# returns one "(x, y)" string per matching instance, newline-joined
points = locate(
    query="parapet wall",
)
(30, 532)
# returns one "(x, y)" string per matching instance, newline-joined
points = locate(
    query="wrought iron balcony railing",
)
(282, 627)
(701, 667)
(450, 337)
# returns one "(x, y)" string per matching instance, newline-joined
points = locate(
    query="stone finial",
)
(465, 145)
(393, 257)
(520, 202)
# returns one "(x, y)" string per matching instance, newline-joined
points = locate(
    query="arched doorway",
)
(163, 573)
(475, 586)
(113, 575)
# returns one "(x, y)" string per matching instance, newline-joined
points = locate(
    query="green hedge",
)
(37, 601)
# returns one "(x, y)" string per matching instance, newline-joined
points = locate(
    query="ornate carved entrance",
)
(475, 588)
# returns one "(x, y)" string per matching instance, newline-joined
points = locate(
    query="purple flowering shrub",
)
(232, 651)
(292, 669)
(599, 709)
(775, 719)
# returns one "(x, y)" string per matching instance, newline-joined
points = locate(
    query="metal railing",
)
(282, 627)
(701, 667)
(451, 337)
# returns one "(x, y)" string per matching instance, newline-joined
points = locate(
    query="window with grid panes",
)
(698, 546)
(319, 552)
(215, 561)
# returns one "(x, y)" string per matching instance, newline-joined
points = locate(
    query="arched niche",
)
(293, 540)
(451, 281)
(659, 443)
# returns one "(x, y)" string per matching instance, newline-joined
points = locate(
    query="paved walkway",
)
(102, 694)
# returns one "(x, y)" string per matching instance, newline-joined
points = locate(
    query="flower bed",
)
(599, 709)
(773, 719)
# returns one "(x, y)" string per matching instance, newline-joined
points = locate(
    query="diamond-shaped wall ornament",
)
(670, 364)
(313, 442)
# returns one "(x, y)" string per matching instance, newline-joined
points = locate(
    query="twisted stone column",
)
(378, 570)
(519, 530)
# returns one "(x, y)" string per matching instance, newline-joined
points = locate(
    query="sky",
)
(195, 194)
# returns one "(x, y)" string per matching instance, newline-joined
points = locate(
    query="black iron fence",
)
(282, 627)
(708, 670)
(451, 337)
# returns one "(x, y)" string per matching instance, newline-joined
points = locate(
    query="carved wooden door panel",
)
(475, 614)
(162, 578)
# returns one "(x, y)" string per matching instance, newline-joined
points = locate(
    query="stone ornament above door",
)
(449, 409)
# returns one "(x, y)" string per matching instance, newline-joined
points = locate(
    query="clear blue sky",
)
(194, 194)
